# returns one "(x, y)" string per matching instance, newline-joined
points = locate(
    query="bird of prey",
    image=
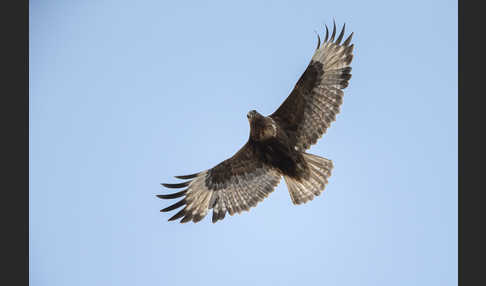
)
(277, 144)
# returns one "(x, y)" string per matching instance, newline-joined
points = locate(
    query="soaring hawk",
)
(276, 145)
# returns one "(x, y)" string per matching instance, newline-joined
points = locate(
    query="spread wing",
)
(233, 186)
(315, 100)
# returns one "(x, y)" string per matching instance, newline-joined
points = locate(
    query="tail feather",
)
(304, 190)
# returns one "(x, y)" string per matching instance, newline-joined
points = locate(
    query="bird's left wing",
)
(315, 100)
(232, 186)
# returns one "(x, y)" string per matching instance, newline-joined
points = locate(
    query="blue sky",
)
(126, 94)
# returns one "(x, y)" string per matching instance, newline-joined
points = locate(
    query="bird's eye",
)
(248, 116)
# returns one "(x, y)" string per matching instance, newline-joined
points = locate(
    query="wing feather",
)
(233, 186)
(313, 104)
(173, 195)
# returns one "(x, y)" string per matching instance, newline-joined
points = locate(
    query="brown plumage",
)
(276, 145)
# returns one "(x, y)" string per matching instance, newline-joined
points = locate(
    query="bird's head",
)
(261, 127)
(253, 115)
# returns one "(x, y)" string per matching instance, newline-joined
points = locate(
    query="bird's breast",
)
(279, 154)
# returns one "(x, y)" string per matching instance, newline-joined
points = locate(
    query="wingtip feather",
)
(348, 40)
(318, 40)
(174, 206)
(176, 186)
(173, 195)
(341, 35)
(177, 215)
(185, 177)
(333, 30)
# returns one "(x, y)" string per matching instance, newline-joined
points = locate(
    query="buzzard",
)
(277, 144)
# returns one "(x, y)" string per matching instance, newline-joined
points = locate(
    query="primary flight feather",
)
(276, 145)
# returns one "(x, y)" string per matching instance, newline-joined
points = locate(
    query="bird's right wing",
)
(234, 185)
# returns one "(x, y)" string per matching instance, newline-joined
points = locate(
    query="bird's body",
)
(276, 145)
(273, 146)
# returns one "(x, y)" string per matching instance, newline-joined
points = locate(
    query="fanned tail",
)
(302, 190)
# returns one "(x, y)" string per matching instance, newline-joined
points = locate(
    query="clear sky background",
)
(126, 94)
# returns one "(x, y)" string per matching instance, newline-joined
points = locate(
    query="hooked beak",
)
(251, 114)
